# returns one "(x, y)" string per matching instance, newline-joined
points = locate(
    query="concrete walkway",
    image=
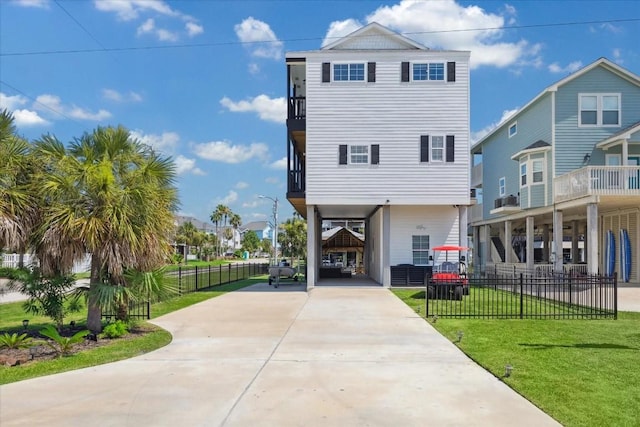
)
(281, 357)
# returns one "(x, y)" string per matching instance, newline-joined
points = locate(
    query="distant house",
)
(203, 226)
(564, 171)
(378, 132)
(262, 229)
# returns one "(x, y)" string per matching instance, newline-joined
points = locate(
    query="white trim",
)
(443, 148)
(381, 29)
(350, 154)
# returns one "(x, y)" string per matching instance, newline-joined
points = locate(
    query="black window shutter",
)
(375, 154)
(371, 72)
(405, 71)
(451, 71)
(424, 148)
(450, 148)
(326, 72)
(342, 155)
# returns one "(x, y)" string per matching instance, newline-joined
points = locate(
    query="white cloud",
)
(224, 151)
(28, 118)
(338, 29)
(425, 21)
(185, 165)
(48, 103)
(128, 10)
(478, 135)
(11, 102)
(131, 10)
(617, 56)
(279, 164)
(114, 95)
(569, 68)
(165, 142)
(259, 38)
(269, 109)
(254, 68)
(42, 4)
(241, 185)
(193, 29)
(229, 199)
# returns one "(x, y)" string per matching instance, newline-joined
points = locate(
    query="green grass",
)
(12, 314)
(581, 372)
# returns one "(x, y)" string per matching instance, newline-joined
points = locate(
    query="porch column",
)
(386, 246)
(462, 226)
(592, 238)
(530, 256)
(545, 243)
(574, 242)
(366, 257)
(476, 248)
(558, 239)
(625, 152)
(486, 247)
(312, 259)
(508, 247)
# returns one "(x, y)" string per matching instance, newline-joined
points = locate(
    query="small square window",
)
(513, 129)
(359, 154)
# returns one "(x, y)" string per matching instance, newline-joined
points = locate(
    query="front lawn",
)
(581, 372)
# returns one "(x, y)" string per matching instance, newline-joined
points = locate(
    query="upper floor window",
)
(502, 186)
(537, 171)
(523, 174)
(348, 72)
(513, 129)
(428, 71)
(437, 148)
(359, 154)
(599, 109)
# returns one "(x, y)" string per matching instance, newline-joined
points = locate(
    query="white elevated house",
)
(378, 131)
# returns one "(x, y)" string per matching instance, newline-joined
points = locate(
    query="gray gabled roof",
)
(255, 225)
(537, 146)
(623, 134)
(602, 62)
(376, 29)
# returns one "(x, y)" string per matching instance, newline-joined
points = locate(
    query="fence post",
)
(229, 274)
(220, 274)
(196, 277)
(521, 293)
(148, 310)
(209, 277)
(615, 295)
(179, 280)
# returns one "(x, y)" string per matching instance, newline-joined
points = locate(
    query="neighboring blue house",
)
(559, 174)
(262, 229)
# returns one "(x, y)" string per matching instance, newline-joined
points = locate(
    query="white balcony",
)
(598, 181)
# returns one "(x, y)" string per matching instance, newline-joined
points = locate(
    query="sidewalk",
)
(281, 357)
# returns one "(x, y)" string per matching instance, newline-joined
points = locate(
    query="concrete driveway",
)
(281, 357)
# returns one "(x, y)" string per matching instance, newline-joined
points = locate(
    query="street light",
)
(275, 226)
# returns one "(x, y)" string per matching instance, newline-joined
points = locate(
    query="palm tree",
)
(188, 231)
(16, 202)
(108, 195)
(216, 217)
(235, 221)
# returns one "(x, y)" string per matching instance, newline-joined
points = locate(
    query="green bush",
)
(116, 329)
(14, 340)
(62, 345)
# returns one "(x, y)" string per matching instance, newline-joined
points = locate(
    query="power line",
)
(79, 24)
(232, 43)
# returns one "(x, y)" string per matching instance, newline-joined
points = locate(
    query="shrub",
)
(62, 345)
(116, 329)
(14, 340)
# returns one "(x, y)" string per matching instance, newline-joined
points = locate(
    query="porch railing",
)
(598, 181)
(297, 108)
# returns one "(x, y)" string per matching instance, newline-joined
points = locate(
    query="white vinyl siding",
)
(388, 114)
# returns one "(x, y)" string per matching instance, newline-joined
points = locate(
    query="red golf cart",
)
(449, 279)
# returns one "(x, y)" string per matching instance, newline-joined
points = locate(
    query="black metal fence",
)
(555, 296)
(193, 279)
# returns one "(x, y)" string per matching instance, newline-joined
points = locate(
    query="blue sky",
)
(191, 77)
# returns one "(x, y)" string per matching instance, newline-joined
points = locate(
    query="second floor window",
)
(358, 154)
(437, 148)
(502, 186)
(348, 72)
(599, 109)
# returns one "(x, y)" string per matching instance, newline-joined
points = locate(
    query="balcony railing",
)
(598, 181)
(296, 181)
(508, 201)
(476, 175)
(297, 108)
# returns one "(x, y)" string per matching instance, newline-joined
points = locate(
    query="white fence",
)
(539, 269)
(13, 261)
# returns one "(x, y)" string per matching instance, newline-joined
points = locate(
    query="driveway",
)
(281, 357)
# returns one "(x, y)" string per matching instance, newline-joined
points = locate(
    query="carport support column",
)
(386, 246)
(545, 243)
(592, 238)
(476, 249)
(558, 239)
(463, 239)
(508, 247)
(312, 259)
(530, 250)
